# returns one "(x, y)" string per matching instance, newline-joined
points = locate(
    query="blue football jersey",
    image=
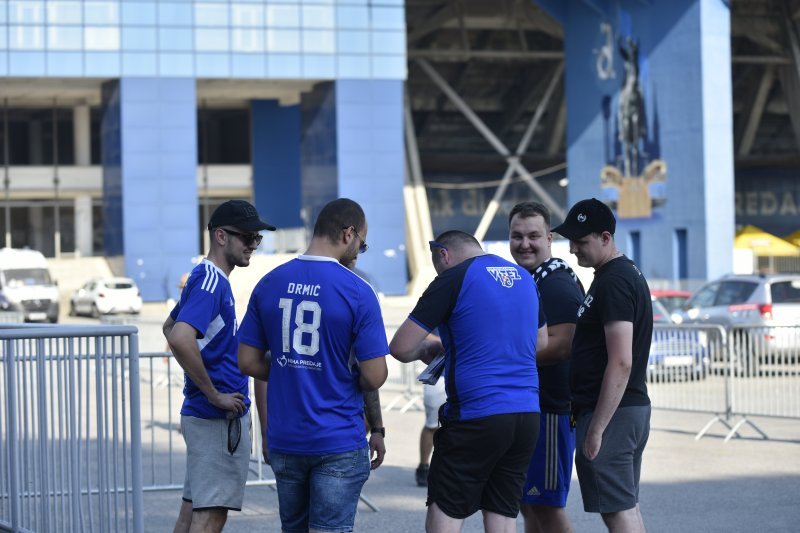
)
(318, 319)
(207, 305)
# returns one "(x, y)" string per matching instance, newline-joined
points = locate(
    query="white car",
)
(105, 296)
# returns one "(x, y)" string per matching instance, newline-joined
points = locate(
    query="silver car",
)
(760, 312)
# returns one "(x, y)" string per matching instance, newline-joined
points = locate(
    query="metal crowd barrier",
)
(746, 372)
(70, 455)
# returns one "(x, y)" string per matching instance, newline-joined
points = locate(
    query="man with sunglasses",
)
(491, 325)
(323, 326)
(201, 332)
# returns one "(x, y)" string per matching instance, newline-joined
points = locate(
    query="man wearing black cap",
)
(609, 362)
(201, 332)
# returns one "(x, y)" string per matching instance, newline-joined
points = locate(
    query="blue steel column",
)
(353, 147)
(276, 162)
(685, 79)
(150, 180)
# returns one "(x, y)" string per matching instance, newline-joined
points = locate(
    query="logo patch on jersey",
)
(534, 491)
(505, 275)
(282, 360)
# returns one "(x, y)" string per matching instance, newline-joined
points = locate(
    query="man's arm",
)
(559, 344)
(410, 343)
(182, 340)
(372, 411)
(542, 340)
(252, 362)
(260, 392)
(619, 343)
(373, 373)
(169, 323)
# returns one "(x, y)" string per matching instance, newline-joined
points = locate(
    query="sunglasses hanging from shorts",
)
(234, 434)
(247, 238)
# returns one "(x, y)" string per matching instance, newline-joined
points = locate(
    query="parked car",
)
(104, 296)
(760, 312)
(673, 300)
(676, 353)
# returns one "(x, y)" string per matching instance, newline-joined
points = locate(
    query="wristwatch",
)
(382, 431)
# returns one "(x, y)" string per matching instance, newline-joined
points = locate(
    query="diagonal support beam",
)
(757, 110)
(492, 139)
(435, 22)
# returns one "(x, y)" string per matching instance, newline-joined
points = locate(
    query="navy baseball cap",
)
(240, 214)
(585, 217)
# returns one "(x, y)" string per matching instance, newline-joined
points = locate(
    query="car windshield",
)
(785, 292)
(18, 277)
(119, 284)
(660, 313)
(735, 292)
(673, 303)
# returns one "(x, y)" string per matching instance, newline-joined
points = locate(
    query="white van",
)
(26, 285)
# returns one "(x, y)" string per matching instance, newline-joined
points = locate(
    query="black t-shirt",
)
(619, 292)
(561, 297)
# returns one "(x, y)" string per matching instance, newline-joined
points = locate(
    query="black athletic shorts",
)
(481, 464)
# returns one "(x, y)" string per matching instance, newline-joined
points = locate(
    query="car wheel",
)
(95, 311)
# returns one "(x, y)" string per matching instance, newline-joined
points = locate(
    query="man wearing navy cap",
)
(201, 332)
(609, 363)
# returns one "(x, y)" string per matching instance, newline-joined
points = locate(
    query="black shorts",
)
(480, 464)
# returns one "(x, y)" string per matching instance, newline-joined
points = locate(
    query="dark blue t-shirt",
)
(207, 305)
(488, 314)
(312, 314)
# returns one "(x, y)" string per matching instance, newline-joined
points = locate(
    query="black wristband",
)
(382, 431)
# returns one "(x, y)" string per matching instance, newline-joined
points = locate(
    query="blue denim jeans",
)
(319, 491)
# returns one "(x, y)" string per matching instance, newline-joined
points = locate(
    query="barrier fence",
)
(70, 456)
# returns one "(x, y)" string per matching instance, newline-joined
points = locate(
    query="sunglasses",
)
(247, 238)
(433, 245)
(363, 247)
(234, 434)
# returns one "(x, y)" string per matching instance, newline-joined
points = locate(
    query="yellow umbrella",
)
(794, 238)
(764, 244)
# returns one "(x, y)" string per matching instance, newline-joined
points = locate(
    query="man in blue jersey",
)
(490, 324)
(544, 495)
(201, 332)
(323, 326)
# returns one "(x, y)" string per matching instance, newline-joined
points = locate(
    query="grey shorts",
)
(215, 477)
(610, 483)
(433, 397)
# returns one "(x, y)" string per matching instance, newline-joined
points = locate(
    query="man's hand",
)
(377, 449)
(592, 444)
(265, 448)
(430, 348)
(231, 402)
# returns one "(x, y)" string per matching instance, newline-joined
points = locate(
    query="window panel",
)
(212, 65)
(283, 16)
(64, 37)
(315, 66)
(389, 67)
(170, 64)
(211, 14)
(318, 17)
(65, 63)
(211, 40)
(283, 66)
(26, 12)
(139, 64)
(247, 40)
(388, 18)
(352, 17)
(140, 13)
(139, 39)
(3, 37)
(26, 64)
(388, 42)
(350, 42)
(96, 38)
(175, 39)
(64, 13)
(320, 41)
(248, 66)
(3, 11)
(353, 67)
(283, 41)
(26, 37)
(101, 64)
(248, 15)
(174, 14)
(101, 13)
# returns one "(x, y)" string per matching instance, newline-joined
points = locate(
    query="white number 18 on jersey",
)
(312, 328)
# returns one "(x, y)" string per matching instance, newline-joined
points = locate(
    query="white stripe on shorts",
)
(551, 452)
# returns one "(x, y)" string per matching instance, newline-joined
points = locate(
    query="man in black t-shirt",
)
(544, 495)
(609, 362)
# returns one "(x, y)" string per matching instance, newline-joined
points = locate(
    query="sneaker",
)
(421, 475)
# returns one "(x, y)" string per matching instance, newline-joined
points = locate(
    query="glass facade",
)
(310, 39)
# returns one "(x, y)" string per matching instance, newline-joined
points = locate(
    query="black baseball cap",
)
(585, 217)
(240, 214)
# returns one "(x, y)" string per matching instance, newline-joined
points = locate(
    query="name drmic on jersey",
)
(303, 289)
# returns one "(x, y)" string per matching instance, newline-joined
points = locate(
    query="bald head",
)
(452, 247)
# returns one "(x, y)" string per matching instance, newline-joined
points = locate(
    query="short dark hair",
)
(337, 215)
(457, 239)
(530, 209)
